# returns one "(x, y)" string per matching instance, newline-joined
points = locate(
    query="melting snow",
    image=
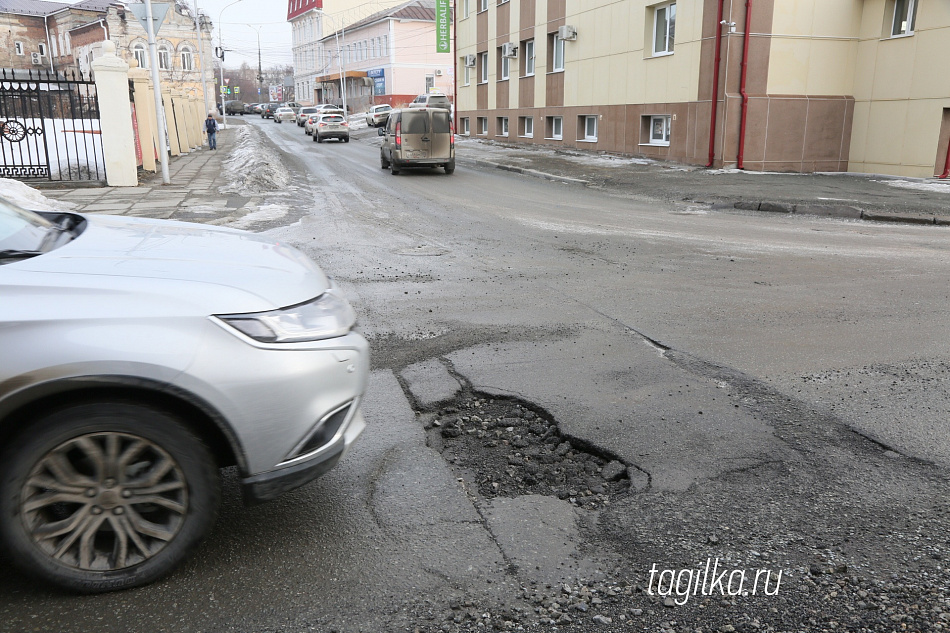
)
(253, 167)
(27, 197)
(919, 185)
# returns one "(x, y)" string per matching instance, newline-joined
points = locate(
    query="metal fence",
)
(49, 126)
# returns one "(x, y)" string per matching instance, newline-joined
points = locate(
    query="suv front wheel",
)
(106, 495)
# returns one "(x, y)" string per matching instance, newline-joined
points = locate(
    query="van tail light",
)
(451, 134)
(399, 134)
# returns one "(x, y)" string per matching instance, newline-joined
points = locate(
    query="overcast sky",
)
(240, 22)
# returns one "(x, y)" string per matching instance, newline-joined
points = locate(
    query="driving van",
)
(418, 137)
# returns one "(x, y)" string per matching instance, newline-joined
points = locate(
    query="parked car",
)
(139, 357)
(329, 106)
(311, 123)
(418, 137)
(331, 126)
(268, 110)
(431, 100)
(284, 114)
(303, 113)
(234, 107)
(258, 107)
(378, 114)
(249, 108)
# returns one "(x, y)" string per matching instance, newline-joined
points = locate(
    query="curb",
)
(843, 211)
(522, 170)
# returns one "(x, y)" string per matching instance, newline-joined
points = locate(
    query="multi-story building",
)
(37, 34)
(796, 85)
(386, 57)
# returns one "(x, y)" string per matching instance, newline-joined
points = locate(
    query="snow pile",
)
(264, 213)
(942, 186)
(27, 197)
(253, 167)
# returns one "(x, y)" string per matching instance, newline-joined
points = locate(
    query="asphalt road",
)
(738, 360)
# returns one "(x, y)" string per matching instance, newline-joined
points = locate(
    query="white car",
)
(139, 356)
(378, 114)
(285, 114)
(303, 113)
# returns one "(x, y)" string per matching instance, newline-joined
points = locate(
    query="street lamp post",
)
(260, 68)
(224, 110)
(201, 60)
(339, 54)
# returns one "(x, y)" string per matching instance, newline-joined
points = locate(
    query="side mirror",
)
(380, 131)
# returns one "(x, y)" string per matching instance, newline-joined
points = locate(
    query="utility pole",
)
(201, 61)
(157, 86)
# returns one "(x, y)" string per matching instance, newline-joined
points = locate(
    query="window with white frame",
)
(527, 126)
(483, 125)
(482, 5)
(557, 53)
(466, 9)
(502, 127)
(468, 75)
(41, 47)
(555, 126)
(69, 45)
(55, 50)
(905, 17)
(664, 28)
(187, 59)
(505, 67)
(483, 68)
(465, 126)
(138, 51)
(590, 127)
(528, 53)
(659, 130)
(18, 48)
(164, 58)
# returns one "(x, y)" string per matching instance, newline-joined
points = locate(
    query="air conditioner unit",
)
(470, 61)
(567, 32)
(509, 50)
(36, 59)
(438, 72)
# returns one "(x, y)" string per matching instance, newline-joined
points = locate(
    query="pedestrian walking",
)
(211, 129)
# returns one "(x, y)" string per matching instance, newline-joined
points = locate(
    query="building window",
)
(164, 59)
(482, 125)
(430, 83)
(505, 66)
(482, 5)
(526, 126)
(659, 129)
(528, 55)
(468, 75)
(664, 29)
(465, 126)
(187, 59)
(55, 50)
(41, 47)
(905, 17)
(466, 10)
(18, 47)
(483, 68)
(555, 125)
(502, 126)
(138, 51)
(557, 53)
(589, 123)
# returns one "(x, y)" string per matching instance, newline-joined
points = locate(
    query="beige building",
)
(795, 85)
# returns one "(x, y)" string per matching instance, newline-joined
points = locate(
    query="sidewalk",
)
(870, 197)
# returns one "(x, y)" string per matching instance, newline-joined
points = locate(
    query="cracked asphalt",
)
(774, 386)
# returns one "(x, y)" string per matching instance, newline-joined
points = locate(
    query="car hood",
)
(123, 248)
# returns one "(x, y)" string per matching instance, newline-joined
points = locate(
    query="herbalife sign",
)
(442, 16)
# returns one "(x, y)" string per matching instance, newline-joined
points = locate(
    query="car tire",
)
(346, 139)
(383, 163)
(393, 168)
(163, 504)
(319, 139)
(450, 167)
(278, 121)
(315, 137)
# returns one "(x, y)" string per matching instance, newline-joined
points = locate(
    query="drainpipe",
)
(49, 48)
(742, 80)
(715, 87)
(946, 168)
(455, 59)
(105, 30)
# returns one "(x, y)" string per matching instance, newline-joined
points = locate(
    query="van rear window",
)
(415, 122)
(440, 123)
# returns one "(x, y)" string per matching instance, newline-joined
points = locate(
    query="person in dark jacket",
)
(211, 129)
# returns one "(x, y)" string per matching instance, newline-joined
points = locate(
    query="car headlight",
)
(327, 316)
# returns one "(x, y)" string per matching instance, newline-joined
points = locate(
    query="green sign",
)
(442, 41)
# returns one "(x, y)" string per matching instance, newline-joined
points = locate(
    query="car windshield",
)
(415, 122)
(333, 119)
(307, 110)
(21, 230)
(383, 108)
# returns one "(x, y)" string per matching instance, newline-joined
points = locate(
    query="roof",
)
(94, 5)
(31, 7)
(423, 10)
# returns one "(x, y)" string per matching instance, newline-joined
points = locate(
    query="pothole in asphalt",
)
(505, 447)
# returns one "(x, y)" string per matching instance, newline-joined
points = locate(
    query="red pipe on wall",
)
(745, 97)
(715, 87)
(946, 168)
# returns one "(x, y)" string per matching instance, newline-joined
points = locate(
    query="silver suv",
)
(139, 357)
(431, 100)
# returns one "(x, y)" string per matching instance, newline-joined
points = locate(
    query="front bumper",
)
(266, 486)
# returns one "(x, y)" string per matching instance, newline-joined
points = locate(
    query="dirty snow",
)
(27, 197)
(264, 213)
(584, 158)
(253, 167)
(919, 185)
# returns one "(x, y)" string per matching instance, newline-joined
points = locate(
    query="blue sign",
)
(379, 80)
